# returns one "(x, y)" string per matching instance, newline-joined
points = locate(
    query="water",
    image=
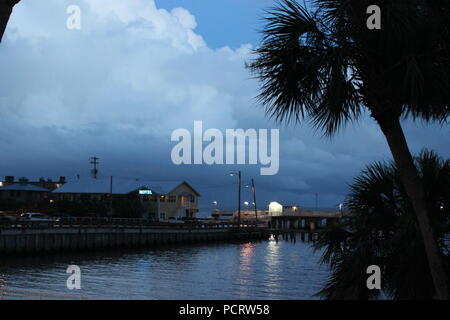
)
(252, 270)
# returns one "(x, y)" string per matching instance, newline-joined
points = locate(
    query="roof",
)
(119, 186)
(24, 187)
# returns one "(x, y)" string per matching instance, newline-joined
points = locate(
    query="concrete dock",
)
(26, 239)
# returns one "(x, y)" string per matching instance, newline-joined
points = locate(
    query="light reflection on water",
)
(253, 270)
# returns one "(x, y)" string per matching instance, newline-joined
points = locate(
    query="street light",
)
(254, 199)
(238, 174)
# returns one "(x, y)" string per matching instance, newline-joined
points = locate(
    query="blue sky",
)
(225, 23)
(136, 71)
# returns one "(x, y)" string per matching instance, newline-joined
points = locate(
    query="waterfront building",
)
(277, 209)
(23, 192)
(158, 200)
(48, 183)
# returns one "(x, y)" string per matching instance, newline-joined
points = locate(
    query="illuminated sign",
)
(145, 192)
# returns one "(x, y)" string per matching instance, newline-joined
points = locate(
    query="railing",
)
(118, 223)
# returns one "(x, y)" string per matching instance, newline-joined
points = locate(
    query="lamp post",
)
(238, 174)
(254, 199)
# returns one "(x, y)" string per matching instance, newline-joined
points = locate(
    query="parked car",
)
(35, 216)
(173, 220)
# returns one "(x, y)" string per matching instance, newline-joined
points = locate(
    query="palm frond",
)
(383, 230)
(323, 63)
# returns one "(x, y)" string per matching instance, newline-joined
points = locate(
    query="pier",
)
(305, 220)
(91, 234)
(305, 223)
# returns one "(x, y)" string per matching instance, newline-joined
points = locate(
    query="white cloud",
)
(135, 62)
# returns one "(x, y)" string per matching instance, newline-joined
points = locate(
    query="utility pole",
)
(254, 200)
(239, 198)
(238, 174)
(94, 161)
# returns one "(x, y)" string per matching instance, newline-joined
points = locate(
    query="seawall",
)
(35, 240)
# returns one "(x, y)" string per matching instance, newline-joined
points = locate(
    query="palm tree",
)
(6, 7)
(383, 230)
(325, 65)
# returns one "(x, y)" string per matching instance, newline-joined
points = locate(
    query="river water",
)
(250, 270)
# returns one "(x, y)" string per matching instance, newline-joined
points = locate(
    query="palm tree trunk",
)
(6, 7)
(414, 188)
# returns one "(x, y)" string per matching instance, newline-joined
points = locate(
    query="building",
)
(160, 200)
(23, 192)
(277, 209)
(48, 183)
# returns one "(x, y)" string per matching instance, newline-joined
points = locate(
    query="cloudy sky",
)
(139, 69)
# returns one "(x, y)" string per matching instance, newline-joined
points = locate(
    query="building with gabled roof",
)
(160, 200)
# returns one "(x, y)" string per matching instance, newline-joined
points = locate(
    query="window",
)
(162, 199)
(162, 215)
(172, 199)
